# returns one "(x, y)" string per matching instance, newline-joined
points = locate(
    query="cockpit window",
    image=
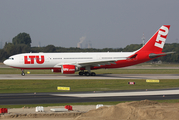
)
(11, 58)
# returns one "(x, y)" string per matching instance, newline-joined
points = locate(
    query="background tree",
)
(22, 38)
(132, 47)
(50, 48)
(9, 49)
(22, 48)
(3, 55)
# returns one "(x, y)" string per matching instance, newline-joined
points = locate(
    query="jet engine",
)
(68, 69)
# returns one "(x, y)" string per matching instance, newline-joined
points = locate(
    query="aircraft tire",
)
(93, 74)
(87, 73)
(81, 73)
(23, 74)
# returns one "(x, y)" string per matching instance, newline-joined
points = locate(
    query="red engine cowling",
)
(56, 70)
(68, 69)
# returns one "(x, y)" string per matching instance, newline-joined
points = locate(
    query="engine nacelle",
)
(56, 70)
(68, 69)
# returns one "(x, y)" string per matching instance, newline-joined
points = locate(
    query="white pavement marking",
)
(116, 94)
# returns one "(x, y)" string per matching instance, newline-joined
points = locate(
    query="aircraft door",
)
(21, 60)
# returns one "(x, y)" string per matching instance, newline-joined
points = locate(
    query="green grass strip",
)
(31, 86)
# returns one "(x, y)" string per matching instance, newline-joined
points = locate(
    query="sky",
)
(103, 23)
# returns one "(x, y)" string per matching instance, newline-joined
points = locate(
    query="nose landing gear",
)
(23, 73)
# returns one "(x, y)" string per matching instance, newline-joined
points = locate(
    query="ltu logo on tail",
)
(161, 37)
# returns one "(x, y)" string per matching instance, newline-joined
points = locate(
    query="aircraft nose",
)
(6, 62)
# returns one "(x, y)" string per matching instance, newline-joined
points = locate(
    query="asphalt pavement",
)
(98, 96)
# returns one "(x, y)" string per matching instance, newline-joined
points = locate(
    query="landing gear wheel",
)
(93, 74)
(23, 74)
(87, 73)
(81, 73)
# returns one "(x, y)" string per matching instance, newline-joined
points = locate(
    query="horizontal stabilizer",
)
(153, 55)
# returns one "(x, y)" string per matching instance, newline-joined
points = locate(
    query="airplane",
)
(69, 63)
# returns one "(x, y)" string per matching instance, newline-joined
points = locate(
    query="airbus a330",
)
(69, 63)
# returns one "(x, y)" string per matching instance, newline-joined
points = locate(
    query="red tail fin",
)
(156, 43)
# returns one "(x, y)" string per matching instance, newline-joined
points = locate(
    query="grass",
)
(100, 71)
(31, 86)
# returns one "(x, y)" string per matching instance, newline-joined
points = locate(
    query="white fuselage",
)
(55, 60)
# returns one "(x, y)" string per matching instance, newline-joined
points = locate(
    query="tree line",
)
(22, 44)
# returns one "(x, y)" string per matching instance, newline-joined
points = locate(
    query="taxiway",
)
(77, 77)
(98, 96)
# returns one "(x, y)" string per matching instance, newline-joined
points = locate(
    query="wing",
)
(99, 62)
(93, 62)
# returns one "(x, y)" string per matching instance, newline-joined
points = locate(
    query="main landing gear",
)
(23, 73)
(87, 73)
